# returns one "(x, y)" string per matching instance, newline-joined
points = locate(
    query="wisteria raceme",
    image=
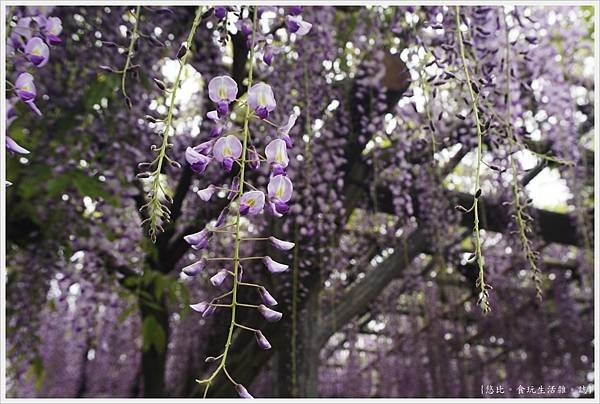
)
(320, 206)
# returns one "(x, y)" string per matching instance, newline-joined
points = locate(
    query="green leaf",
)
(153, 335)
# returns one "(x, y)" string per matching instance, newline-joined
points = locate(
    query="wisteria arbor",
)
(438, 239)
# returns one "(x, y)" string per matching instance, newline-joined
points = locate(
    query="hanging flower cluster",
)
(27, 49)
(236, 153)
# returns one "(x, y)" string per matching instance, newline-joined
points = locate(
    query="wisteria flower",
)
(200, 307)
(296, 25)
(268, 55)
(252, 203)
(217, 129)
(197, 160)
(261, 99)
(253, 159)
(281, 244)
(262, 341)
(222, 90)
(195, 268)
(226, 150)
(284, 131)
(219, 277)
(206, 193)
(280, 192)
(37, 51)
(242, 392)
(274, 266)
(14, 147)
(25, 90)
(266, 297)
(269, 314)
(52, 29)
(277, 157)
(198, 241)
(295, 10)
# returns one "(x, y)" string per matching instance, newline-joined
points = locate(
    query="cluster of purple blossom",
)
(225, 147)
(29, 46)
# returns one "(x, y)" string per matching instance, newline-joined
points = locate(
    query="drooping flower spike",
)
(222, 90)
(52, 29)
(252, 203)
(277, 157)
(226, 150)
(261, 99)
(37, 51)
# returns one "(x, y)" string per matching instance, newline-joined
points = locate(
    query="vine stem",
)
(525, 243)
(238, 236)
(134, 37)
(155, 205)
(480, 279)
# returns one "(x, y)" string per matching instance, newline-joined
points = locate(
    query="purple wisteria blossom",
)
(226, 150)
(270, 315)
(252, 203)
(277, 157)
(261, 99)
(197, 159)
(284, 131)
(281, 244)
(296, 25)
(266, 297)
(222, 90)
(241, 390)
(262, 342)
(37, 51)
(25, 90)
(274, 266)
(199, 240)
(52, 30)
(280, 192)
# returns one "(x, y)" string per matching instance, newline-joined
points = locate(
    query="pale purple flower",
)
(234, 187)
(284, 131)
(52, 29)
(217, 129)
(261, 99)
(197, 160)
(274, 266)
(37, 51)
(206, 193)
(198, 241)
(222, 90)
(269, 314)
(266, 297)
(252, 202)
(242, 392)
(281, 244)
(280, 192)
(195, 268)
(263, 342)
(296, 25)
(25, 90)
(222, 216)
(277, 157)
(200, 307)
(219, 277)
(226, 150)
(14, 147)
